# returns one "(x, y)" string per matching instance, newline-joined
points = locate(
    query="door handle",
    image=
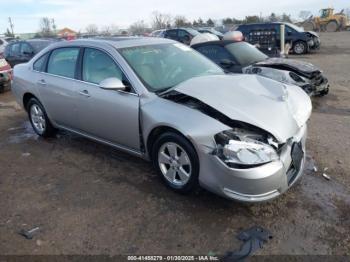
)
(41, 82)
(84, 93)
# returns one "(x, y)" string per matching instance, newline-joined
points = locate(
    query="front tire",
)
(176, 161)
(300, 48)
(38, 118)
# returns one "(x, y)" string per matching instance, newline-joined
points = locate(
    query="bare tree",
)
(106, 30)
(180, 21)
(210, 22)
(304, 14)
(114, 29)
(160, 21)
(138, 28)
(45, 27)
(53, 24)
(91, 29)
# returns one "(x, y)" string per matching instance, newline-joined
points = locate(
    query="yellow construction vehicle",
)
(327, 21)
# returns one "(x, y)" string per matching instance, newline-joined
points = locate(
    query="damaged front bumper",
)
(256, 184)
(317, 86)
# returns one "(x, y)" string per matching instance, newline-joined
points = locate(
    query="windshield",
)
(163, 66)
(245, 54)
(296, 28)
(192, 31)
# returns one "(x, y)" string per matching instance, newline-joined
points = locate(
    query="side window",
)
(171, 34)
(215, 53)
(14, 49)
(62, 61)
(26, 49)
(289, 30)
(98, 66)
(39, 64)
(183, 33)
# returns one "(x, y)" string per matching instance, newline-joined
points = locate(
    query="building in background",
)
(67, 34)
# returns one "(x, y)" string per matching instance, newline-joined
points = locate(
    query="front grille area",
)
(297, 155)
(318, 79)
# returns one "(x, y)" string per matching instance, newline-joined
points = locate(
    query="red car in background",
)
(5, 74)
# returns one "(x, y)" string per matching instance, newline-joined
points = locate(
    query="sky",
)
(77, 14)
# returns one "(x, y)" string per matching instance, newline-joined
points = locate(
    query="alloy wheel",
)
(38, 118)
(299, 48)
(174, 163)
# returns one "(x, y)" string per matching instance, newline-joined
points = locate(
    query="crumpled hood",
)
(313, 33)
(275, 107)
(289, 64)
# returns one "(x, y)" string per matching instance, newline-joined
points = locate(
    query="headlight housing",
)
(244, 149)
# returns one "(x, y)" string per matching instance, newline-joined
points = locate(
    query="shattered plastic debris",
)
(253, 239)
(29, 234)
(326, 176)
(310, 165)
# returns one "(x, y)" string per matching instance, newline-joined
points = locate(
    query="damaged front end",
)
(302, 74)
(243, 146)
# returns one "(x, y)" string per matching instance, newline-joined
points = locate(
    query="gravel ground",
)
(90, 199)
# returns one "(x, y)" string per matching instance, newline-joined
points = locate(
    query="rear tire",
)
(332, 26)
(300, 48)
(176, 162)
(39, 119)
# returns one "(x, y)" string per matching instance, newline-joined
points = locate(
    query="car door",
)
(109, 115)
(171, 34)
(57, 87)
(26, 52)
(184, 36)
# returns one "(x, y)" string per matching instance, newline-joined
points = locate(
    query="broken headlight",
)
(243, 149)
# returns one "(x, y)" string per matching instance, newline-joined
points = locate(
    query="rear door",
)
(109, 115)
(172, 34)
(26, 52)
(57, 86)
(12, 53)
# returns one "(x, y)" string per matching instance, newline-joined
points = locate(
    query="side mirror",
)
(227, 63)
(112, 83)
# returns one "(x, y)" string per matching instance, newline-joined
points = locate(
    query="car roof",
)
(116, 42)
(216, 42)
(266, 23)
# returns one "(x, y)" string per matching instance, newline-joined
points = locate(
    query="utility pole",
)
(11, 26)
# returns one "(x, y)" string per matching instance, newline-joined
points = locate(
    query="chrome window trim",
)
(82, 81)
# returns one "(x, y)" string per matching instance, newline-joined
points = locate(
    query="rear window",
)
(39, 65)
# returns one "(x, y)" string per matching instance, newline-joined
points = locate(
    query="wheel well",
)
(156, 132)
(26, 98)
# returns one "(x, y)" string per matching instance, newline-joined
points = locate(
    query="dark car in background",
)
(267, 35)
(211, 31)
(183, 35)
(242, 57)
(158, 33)
(17, 52)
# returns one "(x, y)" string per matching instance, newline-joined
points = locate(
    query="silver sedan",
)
(240, 136)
